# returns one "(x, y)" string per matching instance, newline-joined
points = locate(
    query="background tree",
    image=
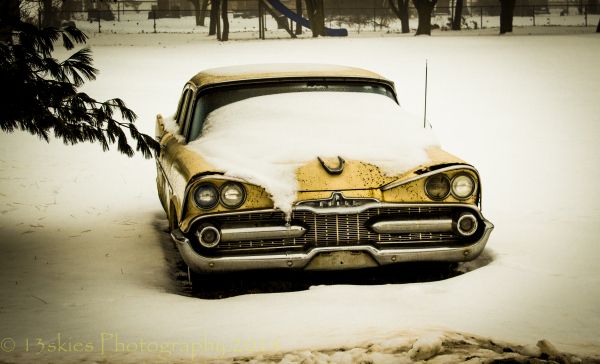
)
(457, 20)
(200, 7)
(424, 10)
(218, 13)
(52, 12)
(316, 15)
(225, 31)
(49, 14)
(299, 12)
(203, 9)
(598, 27)
(43, 96)
(400, 8)
(214, 17)
(507, 8)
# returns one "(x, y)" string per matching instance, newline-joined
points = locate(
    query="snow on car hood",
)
(265, 139)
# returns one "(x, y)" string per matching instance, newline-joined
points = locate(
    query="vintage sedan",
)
(310, 167)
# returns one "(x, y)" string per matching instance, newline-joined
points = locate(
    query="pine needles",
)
(41, 94)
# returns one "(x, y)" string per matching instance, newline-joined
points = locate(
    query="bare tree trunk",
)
(218, 5)
(49, 18)
(598, 27)
(203, 12)
(196, 5)
(424, 10)
(310, 9)
(299, 12)
(457, 21)
(320, 6)
(316, 14)
(507, 8)
(214, 17)
(66, 10)
(401, 11)
(225, 31)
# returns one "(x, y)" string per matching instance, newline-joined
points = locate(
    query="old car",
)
(310, 167)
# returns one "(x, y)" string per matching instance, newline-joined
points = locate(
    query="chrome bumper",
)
(329, 258)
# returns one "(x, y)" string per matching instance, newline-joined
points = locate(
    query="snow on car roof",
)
(280, 70)
(265, 139)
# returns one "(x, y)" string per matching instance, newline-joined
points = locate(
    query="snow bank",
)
(426, 347)
(279, 133)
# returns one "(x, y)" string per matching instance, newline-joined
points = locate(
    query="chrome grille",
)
(327, 230)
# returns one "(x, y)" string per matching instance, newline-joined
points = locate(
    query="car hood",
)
(273, 141)
(313, 176)
(358, 175)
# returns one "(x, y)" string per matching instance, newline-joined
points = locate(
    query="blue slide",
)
(277, 5)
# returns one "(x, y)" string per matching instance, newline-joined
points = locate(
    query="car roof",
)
(279, 71)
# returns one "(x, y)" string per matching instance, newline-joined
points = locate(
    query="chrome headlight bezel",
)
(208, 187)
(445, 180)
(457, 179)
(228, 186)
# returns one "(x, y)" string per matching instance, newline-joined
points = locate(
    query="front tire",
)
(205, 285)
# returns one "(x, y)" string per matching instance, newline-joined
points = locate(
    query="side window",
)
(181, 106)
(198, 119)
(184, 125)
(185, 108)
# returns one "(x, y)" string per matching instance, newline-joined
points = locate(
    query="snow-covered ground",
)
(87, 272)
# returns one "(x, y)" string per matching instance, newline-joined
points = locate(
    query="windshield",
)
(213, 99)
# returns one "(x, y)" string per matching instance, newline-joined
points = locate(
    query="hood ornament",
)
(333, 170)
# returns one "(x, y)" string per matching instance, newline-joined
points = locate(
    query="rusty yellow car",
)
(310, 167)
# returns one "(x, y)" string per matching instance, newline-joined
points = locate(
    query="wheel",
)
(200, 284)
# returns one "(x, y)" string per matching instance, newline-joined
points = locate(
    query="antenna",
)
(425, 112)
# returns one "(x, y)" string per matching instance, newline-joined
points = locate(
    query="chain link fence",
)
(145, 17)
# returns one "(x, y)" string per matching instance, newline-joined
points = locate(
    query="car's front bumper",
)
(329, 258)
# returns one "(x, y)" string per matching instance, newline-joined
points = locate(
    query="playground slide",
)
(277, 5)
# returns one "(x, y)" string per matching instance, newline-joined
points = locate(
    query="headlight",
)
(466, 225)
(206, 196)
(437, 187)
(232, 195)
(463, 186)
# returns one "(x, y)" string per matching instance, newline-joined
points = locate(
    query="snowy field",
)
(88, 273)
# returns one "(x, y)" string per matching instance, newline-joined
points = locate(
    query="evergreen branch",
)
(126, 113)
(79, 67)
(41, 40)
(50, 67)
(122, 144)
(44, 96)
(71, 34)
